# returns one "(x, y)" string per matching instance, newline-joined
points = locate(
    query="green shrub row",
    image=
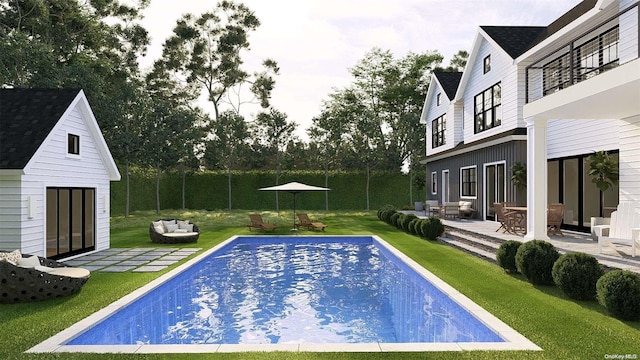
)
(210, 189)
(429, 228)
(578, 275)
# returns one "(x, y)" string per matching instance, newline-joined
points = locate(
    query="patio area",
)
(480, 237)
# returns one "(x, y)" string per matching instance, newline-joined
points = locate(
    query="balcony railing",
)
(611, 43)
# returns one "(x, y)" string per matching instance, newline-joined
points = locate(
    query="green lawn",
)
(564, 328)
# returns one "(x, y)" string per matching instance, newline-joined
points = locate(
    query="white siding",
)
(53, 167)
(433, 112)
(569, 137)
(503, 71)
(628, 46)
(630, 159)
(10, 212)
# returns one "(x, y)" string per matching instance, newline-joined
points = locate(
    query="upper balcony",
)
(573, 79)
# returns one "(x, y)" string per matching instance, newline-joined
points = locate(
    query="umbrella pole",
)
(294, 213)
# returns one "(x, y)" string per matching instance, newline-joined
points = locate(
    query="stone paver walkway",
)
(132, 259)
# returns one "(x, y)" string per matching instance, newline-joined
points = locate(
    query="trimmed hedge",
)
(506, 255)
(535, 259)
(209, 190)
(431, 228)
(619, 292)
(577, 274)
(405, 219)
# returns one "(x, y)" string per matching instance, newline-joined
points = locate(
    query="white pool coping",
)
(512, 339)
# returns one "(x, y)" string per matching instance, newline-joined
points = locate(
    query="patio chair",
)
(258, 224)
(305, 222)
(26, 278)
(509, 220)
(555, 213)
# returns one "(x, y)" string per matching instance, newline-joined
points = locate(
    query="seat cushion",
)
(70, 272)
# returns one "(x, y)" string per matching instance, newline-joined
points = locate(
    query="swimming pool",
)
(292, 293)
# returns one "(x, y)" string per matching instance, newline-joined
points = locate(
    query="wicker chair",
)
(176, 238)
(555, 214)
(20, 284)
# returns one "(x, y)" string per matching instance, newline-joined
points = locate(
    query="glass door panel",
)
(490, 185)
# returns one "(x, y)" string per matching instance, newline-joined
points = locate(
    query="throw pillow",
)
(182, 223)
(168, 222)
(171, 227)
(11, 257)
(187, 227)
(157, 225)
(29, 262)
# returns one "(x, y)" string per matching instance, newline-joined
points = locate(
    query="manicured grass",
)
(564, 328)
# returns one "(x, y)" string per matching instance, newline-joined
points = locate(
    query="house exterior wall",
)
(502, 71)
(51, 166)
(434, 111)
(10, 219)
(630, 159)
(570, 137)
(508, 152)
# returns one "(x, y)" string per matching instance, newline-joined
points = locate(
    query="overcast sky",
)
(315, 42)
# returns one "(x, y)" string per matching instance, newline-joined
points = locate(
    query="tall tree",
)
(207, 50)
(230, 133)
(272, 131)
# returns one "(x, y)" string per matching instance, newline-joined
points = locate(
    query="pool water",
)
(277, 290)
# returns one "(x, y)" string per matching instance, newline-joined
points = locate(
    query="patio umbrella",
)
(294, 188)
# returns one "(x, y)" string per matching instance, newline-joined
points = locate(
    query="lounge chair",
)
(26, 278)
(555, 213)
(172, 231)
(305, 222)
(258, 224)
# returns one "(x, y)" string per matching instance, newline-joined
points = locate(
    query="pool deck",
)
(131, 259)
(615, 257)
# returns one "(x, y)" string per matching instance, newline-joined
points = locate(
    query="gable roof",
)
(515, 40)
(449, 82)
(27, 116)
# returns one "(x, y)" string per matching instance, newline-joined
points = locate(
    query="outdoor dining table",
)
(522, 212)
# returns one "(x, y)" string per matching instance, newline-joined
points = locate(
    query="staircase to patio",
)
(480, 239)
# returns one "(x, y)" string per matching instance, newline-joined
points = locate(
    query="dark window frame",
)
(469, 182)
(439, 99)
(438, 131)
(486, 64)
(73, 144)
(488, 103)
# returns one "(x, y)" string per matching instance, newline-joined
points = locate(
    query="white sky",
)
(315, 42)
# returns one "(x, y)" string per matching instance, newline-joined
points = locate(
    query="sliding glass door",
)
(494, 187)
(70, 221)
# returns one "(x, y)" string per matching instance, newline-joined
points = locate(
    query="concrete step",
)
(475, 235)
(471, 249)
(473, 240)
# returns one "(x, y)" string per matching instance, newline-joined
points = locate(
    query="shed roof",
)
(27, 116)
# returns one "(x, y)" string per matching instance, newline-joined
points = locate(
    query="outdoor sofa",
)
(26, 278)
(173, 231)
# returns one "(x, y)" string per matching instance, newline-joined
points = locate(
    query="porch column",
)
(536, 179)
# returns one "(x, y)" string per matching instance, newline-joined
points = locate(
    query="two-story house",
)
(490, 122)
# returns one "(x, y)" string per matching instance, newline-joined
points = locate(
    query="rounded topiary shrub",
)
(405, 220)
(535, 259)
(619, 292)
(506, 255)
(432, 228)
(383, 210)
(387, 214)
(395, 218)
(413, 226)
(577, 274)
(420, 226)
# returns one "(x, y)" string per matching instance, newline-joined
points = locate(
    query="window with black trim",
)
(73, 144)
(486, 64)
(439, 99)
(434, 183)
(487, 110)
(438, 129)
(468, 182)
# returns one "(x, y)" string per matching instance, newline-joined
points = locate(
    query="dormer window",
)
(73, 144)
(487, 64)
(439, 99)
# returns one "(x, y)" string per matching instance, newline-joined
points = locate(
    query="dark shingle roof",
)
(516, 40)
(27, 116)
(449, 82)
